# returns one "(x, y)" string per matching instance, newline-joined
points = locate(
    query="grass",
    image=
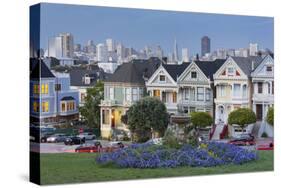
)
(81, 167)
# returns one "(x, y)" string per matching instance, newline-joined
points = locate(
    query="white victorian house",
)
(196, 87)
(263, 87)
(163, 85)
(263, 92)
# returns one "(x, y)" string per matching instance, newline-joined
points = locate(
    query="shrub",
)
(170, 139)
(270, 116)
(242, 117)
(264, 135)
(155, 156)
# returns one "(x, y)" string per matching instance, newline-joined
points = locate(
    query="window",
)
(45, 106)
(63, 107)
(135, 94)
(111, 93)
(156, 93)
(191, 109)
(272, 87)
(208, 94)
(268, 69)
(105, 116)
(83, 96)
(236, 90)
(200, 93)
(35, 106)
(192, 94)
(222, 91)
(141, 92)
(128, 94)
(230, 71)
(162, 78)
(58, 87)
(174, 97)
(36, 89)
(244, 90)
(164, 97)
(259, 87)
(186, 95)
(269, 89)
(193, 74)
(44, 88)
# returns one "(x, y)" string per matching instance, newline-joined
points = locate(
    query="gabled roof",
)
(175, 70)
(209, 68)
(134, 72)
(245, 63)
(76, 76)
(41, 70)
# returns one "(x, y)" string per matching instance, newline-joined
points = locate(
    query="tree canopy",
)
(201, 119)
(242, 117)
(270, 116)
(147, 115)
(91, 109)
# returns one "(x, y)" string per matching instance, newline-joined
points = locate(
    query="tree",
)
(91, 110)
(198, 120)
(242, 117)
(201, 119)
(146, 116)
(270, 116)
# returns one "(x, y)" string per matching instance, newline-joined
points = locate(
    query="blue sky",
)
(137, 27)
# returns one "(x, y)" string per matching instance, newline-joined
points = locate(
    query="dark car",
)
(243, 140)
(73, 140)
(89, 148)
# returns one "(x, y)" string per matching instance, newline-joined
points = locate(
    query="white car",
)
(57, 138)
(155, 141)
(87, 136)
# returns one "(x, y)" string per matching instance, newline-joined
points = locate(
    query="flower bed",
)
(153, 156)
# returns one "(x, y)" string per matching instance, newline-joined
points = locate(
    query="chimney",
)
(253, 65)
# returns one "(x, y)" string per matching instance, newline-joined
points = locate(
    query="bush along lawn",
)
(153, 156)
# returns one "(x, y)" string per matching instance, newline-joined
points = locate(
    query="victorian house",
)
(122, 89)
(52, 102)
(233, 86)
(263, 92)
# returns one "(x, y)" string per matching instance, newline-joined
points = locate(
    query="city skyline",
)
(150, 27)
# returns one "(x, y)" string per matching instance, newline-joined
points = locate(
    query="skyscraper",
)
(55, 47)
(185, 55)
(175, 54)
(101, 53)
(159, 52)
(110, 45)
(205, 45)
(67, 44)
(253, 48)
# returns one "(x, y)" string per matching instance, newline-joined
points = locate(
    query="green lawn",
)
(75, 168)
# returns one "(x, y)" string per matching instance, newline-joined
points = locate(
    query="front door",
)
(221, 114)
(113, 118)
(259, 112)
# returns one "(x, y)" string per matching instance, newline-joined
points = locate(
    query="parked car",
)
(155, 141)
(44, 136)
(89, 148)
(119, 135)
(113, 146)
(243, 140)
(57, 138)
(73, 140)
(87, 136)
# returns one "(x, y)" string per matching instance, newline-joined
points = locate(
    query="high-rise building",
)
(185, 55)
(253, 48)
(205, 45)
(101, 52)
(110, 45)
(67, 44)
(159, 52)
(77, 47)
(55, 47)
(175, 54)
(120, 50)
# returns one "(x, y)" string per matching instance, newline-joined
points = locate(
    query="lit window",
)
(156, 93)
(46, 88)
(35, 106)
(63, 107)
(43, 88)
(174, 97)
(45, 106)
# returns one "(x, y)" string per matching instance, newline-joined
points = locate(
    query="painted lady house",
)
(122, 89)
(52, 102)
(263, 93)
(233, 90)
